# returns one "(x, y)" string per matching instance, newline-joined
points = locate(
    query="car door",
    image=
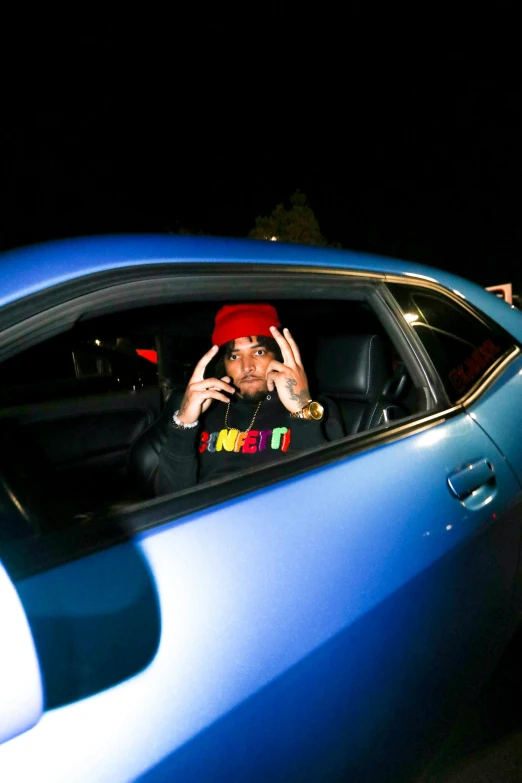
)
(323, 626)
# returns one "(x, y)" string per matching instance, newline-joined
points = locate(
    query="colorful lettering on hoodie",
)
(250, 442)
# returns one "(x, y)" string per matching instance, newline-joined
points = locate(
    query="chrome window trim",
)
(39, 301)
(414, 347)
(56, 310)
(423, 282)
(490, 377)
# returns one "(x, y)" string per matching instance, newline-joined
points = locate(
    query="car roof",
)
(34, 268)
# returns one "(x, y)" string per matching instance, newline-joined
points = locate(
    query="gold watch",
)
(313, 411)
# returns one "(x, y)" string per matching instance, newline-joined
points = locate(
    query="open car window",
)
(73, 407)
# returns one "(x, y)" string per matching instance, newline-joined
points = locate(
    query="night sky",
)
(404, 132)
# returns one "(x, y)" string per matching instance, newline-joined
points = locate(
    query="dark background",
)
(401, 127)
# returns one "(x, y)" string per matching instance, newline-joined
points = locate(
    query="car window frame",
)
(27, 556)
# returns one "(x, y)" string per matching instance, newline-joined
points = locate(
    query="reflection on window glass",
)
(461, 345)
(69, 366)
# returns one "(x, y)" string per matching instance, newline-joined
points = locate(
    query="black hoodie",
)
(210, 451)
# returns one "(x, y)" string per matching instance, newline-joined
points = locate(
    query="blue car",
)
(325, 617)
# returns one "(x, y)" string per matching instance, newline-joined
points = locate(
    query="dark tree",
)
(297, 224)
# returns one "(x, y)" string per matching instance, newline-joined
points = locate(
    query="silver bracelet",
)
(180, 425)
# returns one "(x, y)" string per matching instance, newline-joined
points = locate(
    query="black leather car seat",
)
(143, 457)
(352, 370)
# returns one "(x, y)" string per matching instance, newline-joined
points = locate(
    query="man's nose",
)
(247, 363)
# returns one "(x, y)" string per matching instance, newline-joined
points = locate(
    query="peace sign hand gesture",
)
(201, 391)
(288, 376)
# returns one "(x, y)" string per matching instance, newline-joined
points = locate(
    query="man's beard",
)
(256, 396)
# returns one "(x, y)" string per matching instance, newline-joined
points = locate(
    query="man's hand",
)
(289, 377)
(201, 391)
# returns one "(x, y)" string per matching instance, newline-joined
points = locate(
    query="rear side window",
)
(463, 346)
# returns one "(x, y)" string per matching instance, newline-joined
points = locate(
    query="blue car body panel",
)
(289, 620)
(38, 267)
(498, 412)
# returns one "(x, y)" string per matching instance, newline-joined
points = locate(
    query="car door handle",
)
(472, 477)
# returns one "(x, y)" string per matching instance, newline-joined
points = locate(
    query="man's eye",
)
(260, 352)
(233, 356)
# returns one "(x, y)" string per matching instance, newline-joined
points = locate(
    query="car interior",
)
(83, 414)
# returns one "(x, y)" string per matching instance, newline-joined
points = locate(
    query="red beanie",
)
(243, 320)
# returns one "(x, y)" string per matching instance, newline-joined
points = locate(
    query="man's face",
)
(246, 364)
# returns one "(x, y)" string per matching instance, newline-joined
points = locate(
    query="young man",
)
(258, 410)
